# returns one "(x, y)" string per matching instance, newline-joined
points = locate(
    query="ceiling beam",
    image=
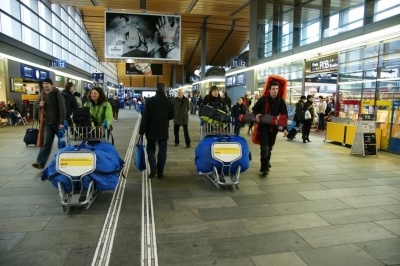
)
(225, 40)
(240, 8)
(191, 6)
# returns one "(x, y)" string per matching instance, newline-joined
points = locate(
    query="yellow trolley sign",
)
(226, 151)
(76, 163)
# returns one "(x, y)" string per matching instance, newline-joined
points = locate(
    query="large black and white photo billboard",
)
(142, 36)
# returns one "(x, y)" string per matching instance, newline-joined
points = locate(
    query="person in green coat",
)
(100, 108)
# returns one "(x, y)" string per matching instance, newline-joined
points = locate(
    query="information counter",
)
(344, 133)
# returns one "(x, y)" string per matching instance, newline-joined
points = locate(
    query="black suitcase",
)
(292, 133)
(31, 136)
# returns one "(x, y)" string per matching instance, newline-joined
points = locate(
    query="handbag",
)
(307, 115)
(62, 142)
(140, 155)
(255, 137)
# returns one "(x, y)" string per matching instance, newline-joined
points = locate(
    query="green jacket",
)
(101, 112)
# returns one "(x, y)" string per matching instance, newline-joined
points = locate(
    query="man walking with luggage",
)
(273, 105)
(53, 105)
(158, 111)
(181, 109)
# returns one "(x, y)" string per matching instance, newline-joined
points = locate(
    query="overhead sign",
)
(325, 64)
(35, 73)
(58, 63)
(235, 80)
(237, 62)
(194, 78)
(143, 69)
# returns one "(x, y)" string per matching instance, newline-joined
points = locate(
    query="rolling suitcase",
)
(292, 133)
(31, 135)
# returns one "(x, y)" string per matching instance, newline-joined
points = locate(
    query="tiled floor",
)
(318, 206)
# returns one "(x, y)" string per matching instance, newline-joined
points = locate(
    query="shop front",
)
(369, 83)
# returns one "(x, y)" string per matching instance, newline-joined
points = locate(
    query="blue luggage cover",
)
(106, 175)
(205, 162)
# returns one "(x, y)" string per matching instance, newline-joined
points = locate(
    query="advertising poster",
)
(142, 36)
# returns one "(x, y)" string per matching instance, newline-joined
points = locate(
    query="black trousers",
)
(185, 132)
(306, 128)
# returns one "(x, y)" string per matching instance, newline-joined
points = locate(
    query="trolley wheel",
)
(64, 208)
(324, 140)
(237, 186)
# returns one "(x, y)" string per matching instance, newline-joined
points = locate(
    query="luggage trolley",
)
(225, 151)
(77, 164)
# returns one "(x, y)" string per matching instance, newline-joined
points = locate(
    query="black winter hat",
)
(48, 80)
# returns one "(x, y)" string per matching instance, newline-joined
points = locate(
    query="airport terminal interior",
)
(330, 198)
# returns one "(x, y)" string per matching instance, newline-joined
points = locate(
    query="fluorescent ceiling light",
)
(57, 72)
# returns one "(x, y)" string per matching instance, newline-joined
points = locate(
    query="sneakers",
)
(39, 166)
(153, 173)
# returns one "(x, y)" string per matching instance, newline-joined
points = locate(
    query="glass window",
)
(310, 33)
(10, 27)
(30, 19)
(46, 45)
(385, 9)
(44, 12)
(57, 51)
(45, 29)
(30, 37)
(32, 4)
(11, 7)
(287, 32)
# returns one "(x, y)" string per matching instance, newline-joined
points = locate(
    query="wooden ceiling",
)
(227, 26)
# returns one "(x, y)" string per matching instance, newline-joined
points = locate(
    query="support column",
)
(276, 31)
(254, 44)
(297, 12)
(369, 11)
(325, 15)
(203, 48)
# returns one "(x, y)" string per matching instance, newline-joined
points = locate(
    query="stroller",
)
(82, 172)
(220, 155)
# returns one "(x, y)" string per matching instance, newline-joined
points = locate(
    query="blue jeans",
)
(161, 156)
(50, 130)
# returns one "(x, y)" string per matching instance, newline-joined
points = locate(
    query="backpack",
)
(81, 117)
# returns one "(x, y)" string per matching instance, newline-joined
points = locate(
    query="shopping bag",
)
(62, 142)
(255, 137)
(307, 115)
(140, 159)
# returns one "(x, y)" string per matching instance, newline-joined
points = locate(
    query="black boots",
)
(305, 138)
(265, 156)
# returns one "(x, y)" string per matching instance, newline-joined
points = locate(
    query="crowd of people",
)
(157, 111)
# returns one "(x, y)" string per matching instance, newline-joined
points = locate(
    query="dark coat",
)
(214, 102)
(305, 107)
(70, 103)
(54, 107)
(181, 108)
(277, 107)
(115, 104)
(237, 110)
(158, 111)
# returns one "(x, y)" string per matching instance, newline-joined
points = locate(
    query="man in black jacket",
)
(155, 122)
(273, 105)
(53, 104)
(70, 101)
(181, 118)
